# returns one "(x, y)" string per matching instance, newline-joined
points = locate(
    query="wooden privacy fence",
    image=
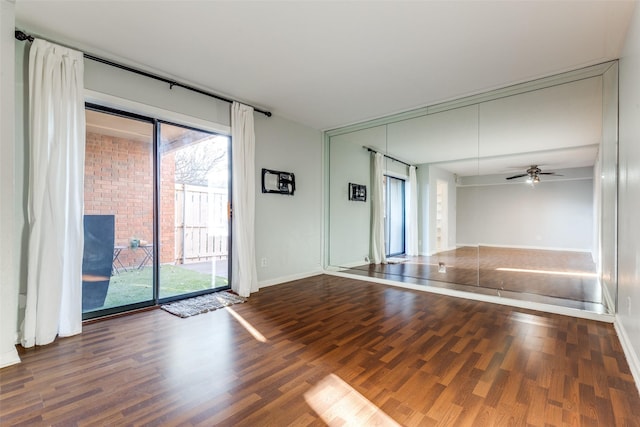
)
(202, 223)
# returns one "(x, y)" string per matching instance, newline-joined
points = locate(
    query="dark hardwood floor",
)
(565, 278)
(328, 351)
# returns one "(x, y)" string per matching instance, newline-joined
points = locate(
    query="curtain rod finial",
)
(22, 36)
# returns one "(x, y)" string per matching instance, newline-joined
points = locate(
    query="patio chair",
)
(97, 259)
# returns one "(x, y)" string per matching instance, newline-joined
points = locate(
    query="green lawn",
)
(133, 286)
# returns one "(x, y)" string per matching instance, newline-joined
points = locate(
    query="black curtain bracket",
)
(22, 36)
(371, 150)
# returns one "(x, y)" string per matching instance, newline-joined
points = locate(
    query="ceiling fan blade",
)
(518, 176)
(549, 173)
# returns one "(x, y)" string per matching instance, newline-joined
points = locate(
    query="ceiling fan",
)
(533, 174)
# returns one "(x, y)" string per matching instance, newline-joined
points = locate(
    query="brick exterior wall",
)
(119, 181)
(168, 208)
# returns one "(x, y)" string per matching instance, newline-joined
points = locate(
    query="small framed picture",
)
(278, 182)
(357, 192)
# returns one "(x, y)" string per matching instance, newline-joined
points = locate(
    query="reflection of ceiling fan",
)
(533, 174)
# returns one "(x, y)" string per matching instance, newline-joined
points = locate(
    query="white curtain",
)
(244, 277)
(56, 180)
(378, 255)
(412, 214)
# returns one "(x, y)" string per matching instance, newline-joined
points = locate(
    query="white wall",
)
(552, 215)
(564, 115)
(436, 137)
(628, 317)
(288, 228)
(126, 85)
(422, 176)
(350, 221)
(349, 224)
(8, 232)
(427, 218)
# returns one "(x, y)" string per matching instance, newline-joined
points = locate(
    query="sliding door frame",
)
(156, 159)
(153, 301)
(156, 254)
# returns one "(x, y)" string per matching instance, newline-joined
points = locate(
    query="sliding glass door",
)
(194, 221)
(118, 212)
(156, 212)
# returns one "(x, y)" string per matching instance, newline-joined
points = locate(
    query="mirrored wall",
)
(516, 192)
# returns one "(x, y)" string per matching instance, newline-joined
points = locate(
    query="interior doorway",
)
(394, 222)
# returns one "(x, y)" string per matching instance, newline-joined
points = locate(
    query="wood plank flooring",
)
(557, 274)
(328, 351)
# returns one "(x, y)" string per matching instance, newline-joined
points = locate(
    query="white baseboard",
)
(442, 250)
(543, 248)
(608, 300)
(283, 279)
(352, 264)
(466, 245)
(9, 358)
(629, 352)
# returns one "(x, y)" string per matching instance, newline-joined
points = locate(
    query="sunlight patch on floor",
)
(557, 273)
(339, 404)
(248, 326)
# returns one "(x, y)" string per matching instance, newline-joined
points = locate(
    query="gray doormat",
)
(202, 304)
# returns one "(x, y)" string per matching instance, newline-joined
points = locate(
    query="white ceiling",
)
(554, 123)
(119, 127)
(557, 127)
(331, 63)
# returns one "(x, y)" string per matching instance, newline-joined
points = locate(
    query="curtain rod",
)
(371, 150)
(22, 36)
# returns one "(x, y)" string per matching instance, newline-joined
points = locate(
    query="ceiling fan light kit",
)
(532, 174)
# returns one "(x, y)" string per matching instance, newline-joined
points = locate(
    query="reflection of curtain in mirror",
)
(377, 211)
(412, 214)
